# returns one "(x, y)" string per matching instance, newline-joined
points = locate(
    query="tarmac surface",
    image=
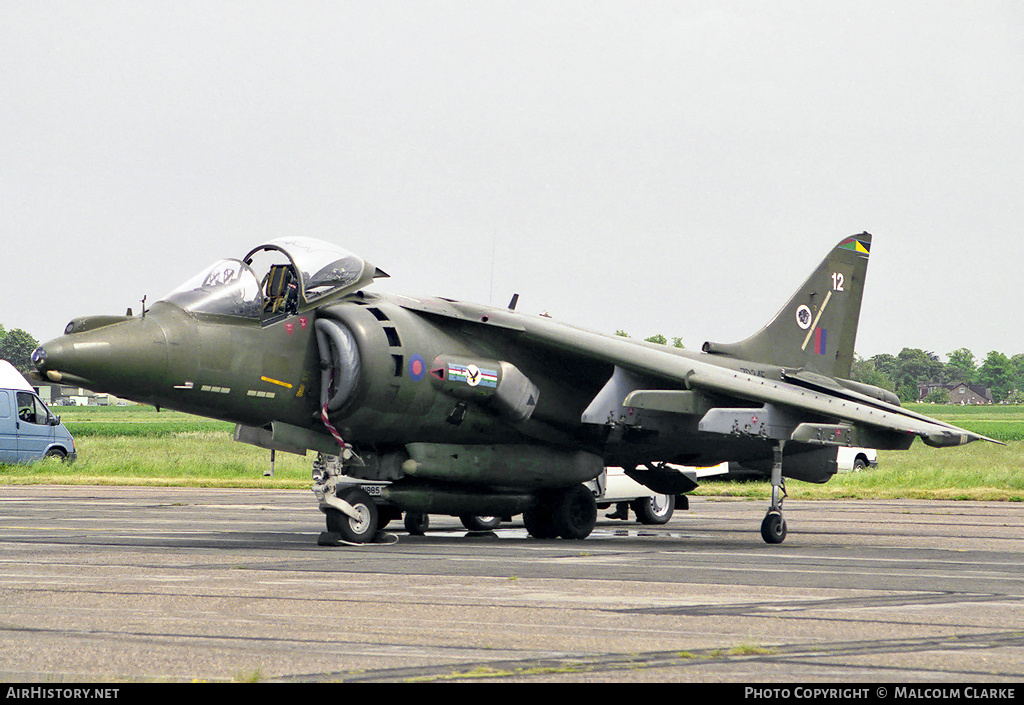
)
(106, 584)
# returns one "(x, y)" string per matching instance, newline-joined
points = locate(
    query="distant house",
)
(64, 395)
(959, 392)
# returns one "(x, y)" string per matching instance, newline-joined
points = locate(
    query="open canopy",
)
(280, 277)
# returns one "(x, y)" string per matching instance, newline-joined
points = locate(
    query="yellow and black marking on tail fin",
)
(817, 327)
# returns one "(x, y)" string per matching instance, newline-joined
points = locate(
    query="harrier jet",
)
(455, 408)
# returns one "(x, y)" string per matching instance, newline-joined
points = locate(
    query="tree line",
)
(16, 347)
(913, 368)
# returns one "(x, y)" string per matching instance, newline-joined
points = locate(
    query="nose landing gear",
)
(355, 517)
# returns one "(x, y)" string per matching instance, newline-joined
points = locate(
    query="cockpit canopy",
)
(281, 277)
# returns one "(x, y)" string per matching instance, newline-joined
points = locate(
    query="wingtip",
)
(956, 437)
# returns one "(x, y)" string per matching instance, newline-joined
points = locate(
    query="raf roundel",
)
(417, 367)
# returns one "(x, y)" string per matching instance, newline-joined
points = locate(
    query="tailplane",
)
(817, 328)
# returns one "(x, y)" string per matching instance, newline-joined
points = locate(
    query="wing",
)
(679, 372)
(656, 377)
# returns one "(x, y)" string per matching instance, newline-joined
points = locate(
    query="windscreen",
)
(227, 288)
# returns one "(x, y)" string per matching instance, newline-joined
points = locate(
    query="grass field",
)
(137, 445)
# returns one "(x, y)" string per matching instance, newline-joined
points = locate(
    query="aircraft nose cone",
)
(44, 360)
(58, 361)
(121, 357)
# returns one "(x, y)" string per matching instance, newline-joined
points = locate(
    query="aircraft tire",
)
(354, 530)
(773, 528)
(574, 512)
(539, 524)
(654, 510)
(472, 522)
(416, 523)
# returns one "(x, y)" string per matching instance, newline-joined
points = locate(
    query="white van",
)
(615, 487)
(28, 430)
(856, 459)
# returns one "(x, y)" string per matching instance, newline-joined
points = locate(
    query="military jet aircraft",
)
(461, 409)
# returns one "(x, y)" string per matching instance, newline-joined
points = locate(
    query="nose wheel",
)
(357, 521)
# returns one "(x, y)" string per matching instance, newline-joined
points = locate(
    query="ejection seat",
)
(281, 289)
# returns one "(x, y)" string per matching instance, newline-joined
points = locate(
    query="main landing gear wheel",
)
(773, 528)
(360, 528)
(538, 523)
(416, 523)
(570, 513)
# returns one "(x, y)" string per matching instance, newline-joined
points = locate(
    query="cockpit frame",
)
(301, 273)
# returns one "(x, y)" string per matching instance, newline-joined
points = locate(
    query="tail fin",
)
(817, 328)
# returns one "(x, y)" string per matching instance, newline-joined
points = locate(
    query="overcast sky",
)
(658, 167)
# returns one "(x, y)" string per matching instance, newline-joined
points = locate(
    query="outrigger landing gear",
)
(773, 528)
